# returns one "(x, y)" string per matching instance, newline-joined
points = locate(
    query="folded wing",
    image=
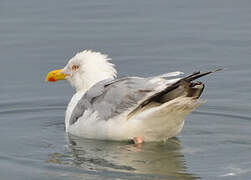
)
(132, 95)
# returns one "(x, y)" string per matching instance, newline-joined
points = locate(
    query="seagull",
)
(128, 108)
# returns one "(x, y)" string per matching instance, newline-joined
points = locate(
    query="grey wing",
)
(85, 103)
(110, 98)
(122, 95)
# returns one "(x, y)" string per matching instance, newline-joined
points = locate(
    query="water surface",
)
(143, 38)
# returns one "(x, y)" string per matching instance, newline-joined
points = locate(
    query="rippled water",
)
(144, 38)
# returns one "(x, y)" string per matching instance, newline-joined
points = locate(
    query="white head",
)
(84, 70)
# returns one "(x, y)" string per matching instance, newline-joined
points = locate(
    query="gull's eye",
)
(75, 67)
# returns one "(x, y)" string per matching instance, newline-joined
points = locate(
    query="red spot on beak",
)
(51, 79)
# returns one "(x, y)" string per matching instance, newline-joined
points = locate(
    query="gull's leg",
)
(137, 140)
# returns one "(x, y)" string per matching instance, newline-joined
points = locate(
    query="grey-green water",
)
(144, 38)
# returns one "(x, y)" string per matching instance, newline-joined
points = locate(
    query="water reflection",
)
(151, 158)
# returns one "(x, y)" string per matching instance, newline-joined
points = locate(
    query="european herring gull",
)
(143, 109)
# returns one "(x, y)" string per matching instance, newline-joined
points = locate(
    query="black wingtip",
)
(198, 74)
(219, 69)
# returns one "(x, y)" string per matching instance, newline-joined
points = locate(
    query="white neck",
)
(91, 77)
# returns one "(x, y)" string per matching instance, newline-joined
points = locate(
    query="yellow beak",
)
(55, 75)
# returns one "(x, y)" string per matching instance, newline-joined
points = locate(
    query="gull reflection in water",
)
(162, 159)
